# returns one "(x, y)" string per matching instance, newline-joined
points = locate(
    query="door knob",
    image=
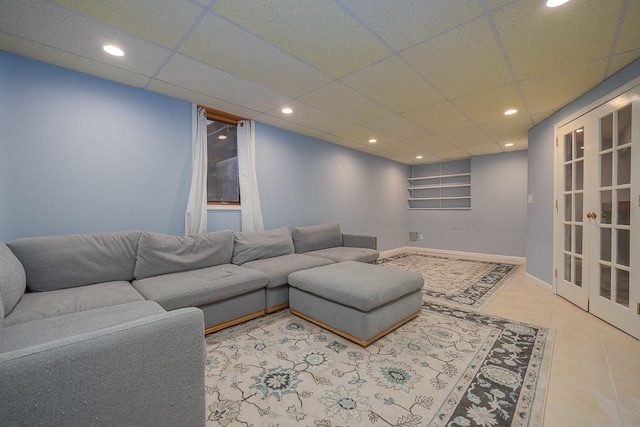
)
(592, 215)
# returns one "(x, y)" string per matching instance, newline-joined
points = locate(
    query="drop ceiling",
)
(422, 77)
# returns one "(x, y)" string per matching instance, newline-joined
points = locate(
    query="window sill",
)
(223, 207)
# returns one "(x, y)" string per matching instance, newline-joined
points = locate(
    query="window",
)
(222, 159)
(222, 163)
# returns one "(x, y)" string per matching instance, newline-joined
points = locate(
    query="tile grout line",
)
(613, 383)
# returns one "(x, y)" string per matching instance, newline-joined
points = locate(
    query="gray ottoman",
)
(361, 302)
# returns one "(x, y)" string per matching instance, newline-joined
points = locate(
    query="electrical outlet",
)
(422, 237)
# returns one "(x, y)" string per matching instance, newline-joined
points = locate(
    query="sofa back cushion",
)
(253, 245)
(68, 261)
(161, 254)
(316, 237)
(13, 280)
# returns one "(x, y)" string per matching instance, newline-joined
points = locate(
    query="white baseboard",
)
(468, 255)
(549, 287)
(392, 252)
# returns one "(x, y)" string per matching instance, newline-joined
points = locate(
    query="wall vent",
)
(413, 236)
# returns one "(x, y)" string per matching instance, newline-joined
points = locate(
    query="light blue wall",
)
(496, 223)
(306, 181)
(82, 154)
(539, 236)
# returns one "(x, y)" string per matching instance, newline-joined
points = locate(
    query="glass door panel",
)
(574, 271)
(612, 295)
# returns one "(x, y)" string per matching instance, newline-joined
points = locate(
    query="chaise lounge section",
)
(91, 359)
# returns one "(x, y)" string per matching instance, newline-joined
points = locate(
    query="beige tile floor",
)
(595, 368)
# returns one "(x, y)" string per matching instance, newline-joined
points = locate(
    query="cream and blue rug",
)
(461, 282)
(448, 367)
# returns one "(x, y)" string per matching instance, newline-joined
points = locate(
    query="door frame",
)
(620, 319)
(557, 231)
(579, 296)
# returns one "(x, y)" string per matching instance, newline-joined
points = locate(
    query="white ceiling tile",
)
(319, 32)
(307, 116)
(467, 136)
(618, 62)
(517, 146)
(538, 39)
(462, 61)
(481, 149)
(339, 99)
(508, 128)
(493, 4)
(285, 124)
(629, 38)
(426, 158)
(360, 134)
(490, 105)
(234, 50)
(396, 127)
(259, 68)
(555, 90)
(341, 141)
(408, 92)
(439, 117)
(398, 148)
(58, 27)
(162, 21)
(428, 143)
(201, 99)
(420, 19)
(64, 59)
(450, 154)
(198, 77)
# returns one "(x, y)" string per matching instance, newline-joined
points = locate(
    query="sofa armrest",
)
(148, 371)
(360, 241)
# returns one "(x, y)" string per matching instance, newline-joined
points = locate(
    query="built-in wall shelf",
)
(432, 187)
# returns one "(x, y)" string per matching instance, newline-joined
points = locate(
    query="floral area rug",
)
(447, 367)
(462, 282)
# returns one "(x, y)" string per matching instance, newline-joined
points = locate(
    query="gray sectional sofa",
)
(107, 329)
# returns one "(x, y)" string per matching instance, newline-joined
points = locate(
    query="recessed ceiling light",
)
(113, 50)
(418, 157)
(556, 3)
(510, 112)
(509, 144)
(373, 141)
(287, 110)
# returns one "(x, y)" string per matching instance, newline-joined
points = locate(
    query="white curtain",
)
(195, 219)
(249, 197)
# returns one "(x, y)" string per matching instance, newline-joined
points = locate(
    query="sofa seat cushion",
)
(254, 245)
(43, 305)
(198, 287)
(316, 237)
(41, 331)
(279, 268)
(67, 261)
(161, 254)
(345, 253)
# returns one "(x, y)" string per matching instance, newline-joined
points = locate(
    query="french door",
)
(597, 244)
